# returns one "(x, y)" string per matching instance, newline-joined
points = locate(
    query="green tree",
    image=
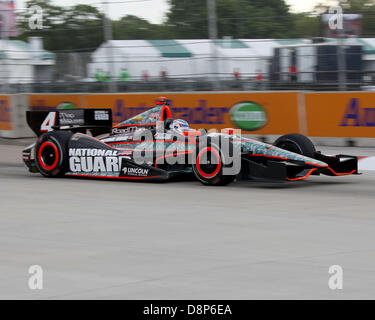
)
(131, 28)
(188, 19)
(238, 18)
(306, 26)
(76, 28)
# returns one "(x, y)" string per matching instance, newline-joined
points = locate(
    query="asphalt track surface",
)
(182, 240)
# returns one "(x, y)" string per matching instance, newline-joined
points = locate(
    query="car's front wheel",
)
(296, 143)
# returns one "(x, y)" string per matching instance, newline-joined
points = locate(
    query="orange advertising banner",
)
(5, 113)
(257, 113)
(52, 101)
(346, 114)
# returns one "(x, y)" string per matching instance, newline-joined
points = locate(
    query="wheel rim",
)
(48, 156)
(210, 166)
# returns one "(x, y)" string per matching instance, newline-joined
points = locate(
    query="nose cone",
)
(288, 155)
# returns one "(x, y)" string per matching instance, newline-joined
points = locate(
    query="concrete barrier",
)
(13, 116)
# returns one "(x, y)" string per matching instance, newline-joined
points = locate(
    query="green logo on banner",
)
(66, 106)
(248, 116)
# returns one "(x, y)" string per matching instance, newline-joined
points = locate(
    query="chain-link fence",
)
(258, 65)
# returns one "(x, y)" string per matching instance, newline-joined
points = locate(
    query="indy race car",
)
(154, 146)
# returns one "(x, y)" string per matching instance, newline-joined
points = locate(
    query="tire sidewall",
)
(303, 143)
(58, 168)
(214, 178)
(218, 178)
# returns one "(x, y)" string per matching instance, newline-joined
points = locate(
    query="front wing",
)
(273, 170)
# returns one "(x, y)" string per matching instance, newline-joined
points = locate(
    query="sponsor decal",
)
(138, 119)
(154, 115)
(355, 116)
(248, 116)
(71, 118)
(101, 115)
(118, 139)
(94, 160)
(92, 152)
(123, 130)
(135, 172)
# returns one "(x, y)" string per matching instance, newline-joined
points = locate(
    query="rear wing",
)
(77, 120)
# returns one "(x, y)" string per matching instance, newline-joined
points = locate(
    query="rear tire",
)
(211, 173)
(296, 143)
(51, 153)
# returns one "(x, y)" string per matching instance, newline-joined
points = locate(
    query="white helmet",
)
(179, 124)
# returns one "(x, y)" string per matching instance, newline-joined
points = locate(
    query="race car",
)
(154, 146)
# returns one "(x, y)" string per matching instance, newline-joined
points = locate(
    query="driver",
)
(179, 124)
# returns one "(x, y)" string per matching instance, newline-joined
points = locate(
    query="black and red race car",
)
(154, 146)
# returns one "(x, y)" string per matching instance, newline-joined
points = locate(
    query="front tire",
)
(208, 167)
(52, 153)
(296, 143)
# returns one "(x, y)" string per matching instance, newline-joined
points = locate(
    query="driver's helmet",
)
(179, 124)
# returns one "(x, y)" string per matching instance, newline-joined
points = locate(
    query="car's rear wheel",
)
(296, 143)
(51, 153)
(208, 167)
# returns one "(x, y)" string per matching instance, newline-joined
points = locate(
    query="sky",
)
(154, 10)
